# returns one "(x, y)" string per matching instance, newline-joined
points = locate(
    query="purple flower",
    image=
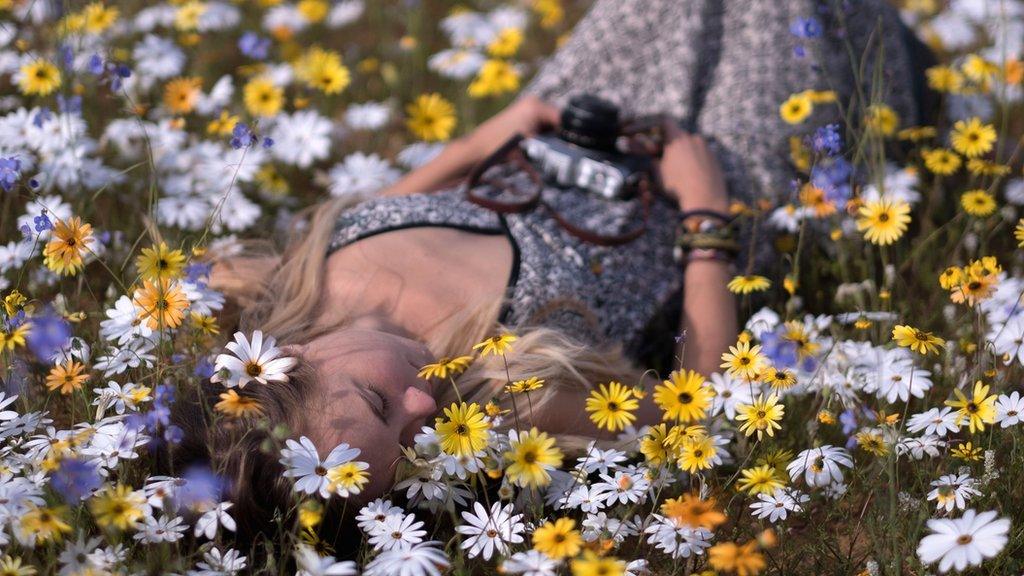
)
(75, 479)
(268, 142)
(42, 222)
(809, 27)
(242, 137)
(781, 352)
(10, 172)
(198, 272)
(201, 488)
(26, 231)
(827, 140)
(67, 55)
(49, 334)
(42, 117)
(254, 46)
(95, 65)
(833, 175)
(204, 369)
(72, 105)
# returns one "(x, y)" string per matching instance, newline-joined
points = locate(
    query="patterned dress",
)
(722, 67)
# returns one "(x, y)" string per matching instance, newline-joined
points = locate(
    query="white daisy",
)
(212, 519)
(777, 505)
(936, 421)
(953, 491)
(360, 174)
(530, 563)
(398, 532)
(257, 360)
(309, 563)
(1009, 409)
(372, 516)
(301, 138)
(490, 532)
(163, 529)
(224, 563)
(965, 541)
(345, 12)
(918, 448)
(597, 460)
(677, 540)
(303, 462)
(729, 392)
(820, 466)
(424, 559)
(367, 116)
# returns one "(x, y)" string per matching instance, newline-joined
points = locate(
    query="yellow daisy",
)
(498, 345)
(160, 263)
(917, 340)
(796, 108)
(684, 397)
(237, 406)
(747, 284)
(762, 416)
(67, 377)
(972, 138)
(978, 410)
(117, 507)
(941, 161)
(431, 118)
(71, 239)
(262, 97)
(445, 367)
(611, 406)
(38, 78)
(464, 430)
(762, 479)
(978, 203)
(530, 456)
(558, 539)
(882, 221)
(743, 361)
(161, 304)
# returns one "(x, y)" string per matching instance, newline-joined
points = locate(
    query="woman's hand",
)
(690, 173)
(527, 116)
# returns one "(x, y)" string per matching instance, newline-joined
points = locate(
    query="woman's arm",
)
(690, 172)
(526, 116)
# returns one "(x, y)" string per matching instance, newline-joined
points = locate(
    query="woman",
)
(369, 294)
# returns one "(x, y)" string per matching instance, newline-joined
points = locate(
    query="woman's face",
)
(369, 397)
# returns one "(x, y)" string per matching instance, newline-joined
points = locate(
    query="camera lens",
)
(590, 122)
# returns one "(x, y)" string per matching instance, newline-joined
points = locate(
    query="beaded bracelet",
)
(707, 255)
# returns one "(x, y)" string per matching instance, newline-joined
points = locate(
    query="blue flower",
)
(268, 143)
(197, 272)
(42, 117)
(781, 352)
(827, 140)
(809, 27)
(49, 334)
(42, 222)
(67, 54)
(72, 105)
(201, 488)
(242, 137)
(10, 172)
(95, 65)
(204, 368)
(254, 46)
(75, 479)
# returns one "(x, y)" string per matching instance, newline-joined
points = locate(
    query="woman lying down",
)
(432, 294)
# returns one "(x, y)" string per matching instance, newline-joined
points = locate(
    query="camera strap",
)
(531, 199)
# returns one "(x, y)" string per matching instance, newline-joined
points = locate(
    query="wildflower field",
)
(868, 419)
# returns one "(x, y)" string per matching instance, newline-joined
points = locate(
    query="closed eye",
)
(377, 402)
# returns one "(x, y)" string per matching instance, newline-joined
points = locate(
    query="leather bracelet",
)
(705, 213)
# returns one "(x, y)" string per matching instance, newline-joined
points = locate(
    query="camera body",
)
(583, 153)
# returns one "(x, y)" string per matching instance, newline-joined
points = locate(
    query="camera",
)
(583, 153)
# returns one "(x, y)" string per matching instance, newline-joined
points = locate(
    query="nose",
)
(418, 404)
